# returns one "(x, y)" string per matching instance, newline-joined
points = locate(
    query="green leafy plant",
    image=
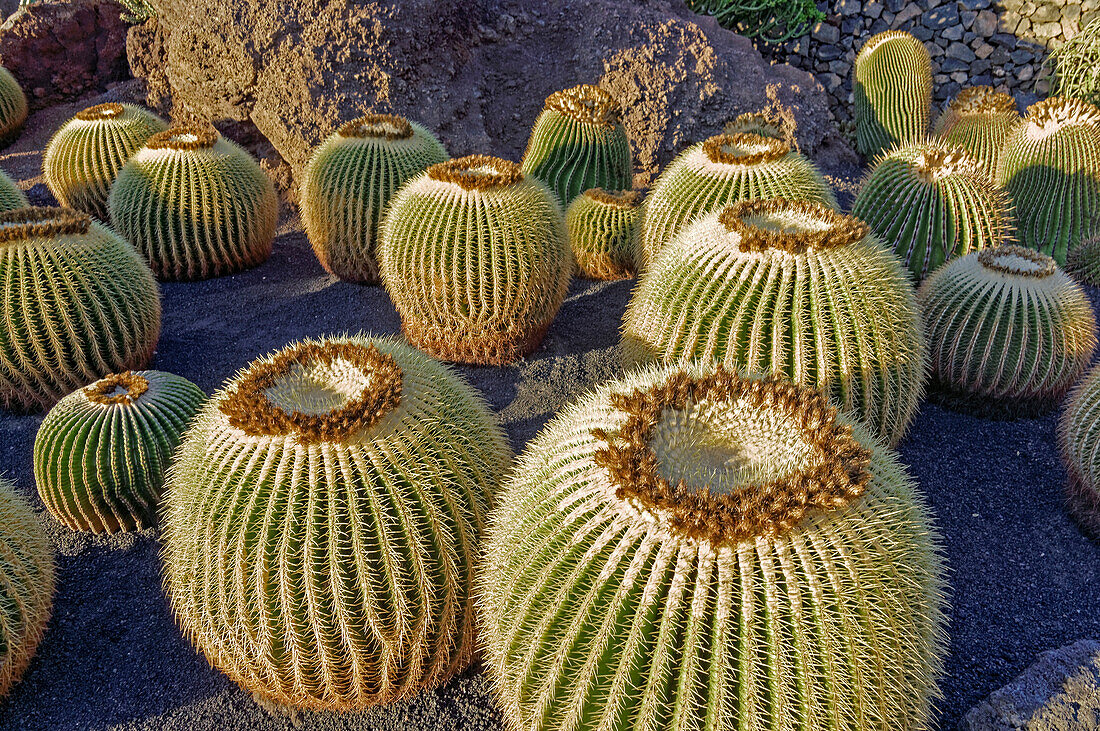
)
(772, 21)
(1076, 66)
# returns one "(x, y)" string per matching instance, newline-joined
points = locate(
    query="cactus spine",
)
(350, 180)
(1079, 443)
(1083, 262)
(11, 195)
(603, 232)
(892, 84)
(978, 119)
(13, 107)
(693, 548)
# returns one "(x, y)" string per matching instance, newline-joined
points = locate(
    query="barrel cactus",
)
(930, 202)
(790, 288)
(579, 143)
(892, 85)
(1050, 165)
(11, 195)
(722, 170)
(693, 548)
(195, 204)
(26, 585)
(348, 182)
(83, 158)
(321, 523)
(13, 107)
(475, 257)
(80, 304)
(1007, 329)
(1083, 262)
(102, 451)
(603, 228)
(758, 123)
(978, 119)
(1079, 440)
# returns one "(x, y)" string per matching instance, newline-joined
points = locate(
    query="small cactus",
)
(1050, 165)
(321, 523)
(475, 256)
(11, 195)
(195, 204)
(84, 156)
(978, 119)
(101, 453)
(13, 107)
(579, 143)
(723, 170)
(603, 228)
(80, 304)
(930, 202)
(790, 288)
(1007, 330)
(1079, 442)
(892, 85)
(690, 547)
(1083, 262)
(350, 180)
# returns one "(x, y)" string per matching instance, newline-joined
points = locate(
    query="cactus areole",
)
(184, 137)
(1017, 261)
(378, 126)
(477, 172)
(585, 103)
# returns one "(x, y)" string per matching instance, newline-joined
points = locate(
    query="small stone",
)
(953, 64)
(967, 17)
(921, 33)
(879, 26)
(1004, 40)
(872, 9)
(954, 33)
(1021, 56)
(1025, 73)
(848, 7)
(1042, 87)
(1047, 30)
(984, 50)
(828, 53)
(980, 67)
(1009, 21)
(850, 26)
(981, 80)
(975, 4)
(941, 78)
(936, 51)
(959, 77)
(946, 16)
(906, 14)
(887, 18)
(830, 81)
(950, 89)
(1069, 28)
(839, 67)
(825, 33)
(985, 24)
(961, 52)
(1047, 12)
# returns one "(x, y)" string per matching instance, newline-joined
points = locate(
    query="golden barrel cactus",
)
(603, 232)
(892, 86)
(978, 119)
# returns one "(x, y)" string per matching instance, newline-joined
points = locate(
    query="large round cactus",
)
(603, 231)
(892, 84)
(722, 170)
(321, 523)
(348, 183)
(692, 548)
(978, 119)
(1007, 330)
(83, 158)
(475, 257)
(79, 304)
(102, 451)
(790, 288)
(579, 143)
(11, 195)
(930, 202)
(13, 107)
(195, 204)
(1050, 165)
(1083, 261)
(1079, 440)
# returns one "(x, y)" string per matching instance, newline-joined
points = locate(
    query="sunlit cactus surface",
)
(978, 119)
(603, 232)
(892, 86)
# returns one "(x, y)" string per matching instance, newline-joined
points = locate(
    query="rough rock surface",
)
(1060, 692)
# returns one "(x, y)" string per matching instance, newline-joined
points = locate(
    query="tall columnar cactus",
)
(11, 195)
(892, 83)
(603, 231)
(26, 585)
(1050, 165)
(978, 119)
(1079, 440)
(790, 288)
(723, 170)
(195, 204)
(930, 202)
(475, 257)
(79, 304)
(348, 182)
(102, 451)
(690, 548)
(83, 158)
(321, 523)
(1007, 330)
(1083, 262)
(579, 143)
(13, 107)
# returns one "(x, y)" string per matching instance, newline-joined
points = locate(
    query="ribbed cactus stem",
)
(13, 107)
(892, 84)
(11, 195)
(1079, 445)
(1083, 262)
(603, 232)
(978, 119)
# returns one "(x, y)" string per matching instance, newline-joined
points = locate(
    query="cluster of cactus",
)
(102, 451)
(13, 107)
(11, 195)
(321, 523)
(350, 180)
(930, 202)
(1079, 442)
(1077, 65)
(892, 86)
(80, 304)
(1008, 331)
(603, 232)
(722, 170)
(84, 157)
(195, 204)
(475, 256)
(790, 288)
(978, 119)
(664, 543)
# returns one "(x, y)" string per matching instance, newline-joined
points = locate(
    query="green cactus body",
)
(692, 549)
(723, 170)
(931, 202)
(83, 158)
(892, 85)
(321, 523)
(1083, 262)
(1007, 330)
(195, 204)
(475, 256)
(603, 231)
(579, 143)
(13, 107)
(1079, 442)
(789, 288)
(978, 119)
(349, 181)
(26, 585)
(1050, 165)
(79, 304)
(102, 451)
(11, 195)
